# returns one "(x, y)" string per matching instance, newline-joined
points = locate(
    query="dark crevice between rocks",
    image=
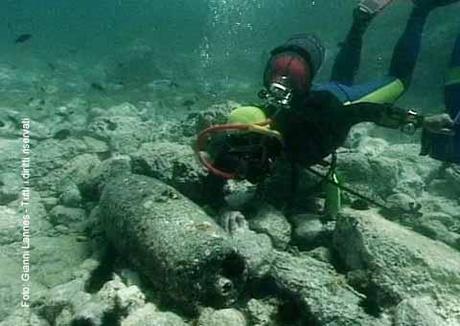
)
(360, 281)
(103, 273)
(377, 300)
(292, 311)
(104, 155)
(162, 300)
(336, 261)
(62, 134)
(110, 318)
(141, 167)
(233, 266)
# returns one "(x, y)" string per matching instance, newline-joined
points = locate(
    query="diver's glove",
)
(439, 124)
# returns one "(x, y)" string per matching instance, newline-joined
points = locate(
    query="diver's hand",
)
(439, 124)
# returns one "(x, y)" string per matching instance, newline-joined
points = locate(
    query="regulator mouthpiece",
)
(278, 93)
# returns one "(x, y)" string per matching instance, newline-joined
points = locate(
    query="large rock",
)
(256, 248)
(24, 317)
(223, 317)
(13, 225)
(10, 155)
(182, 251)
(272, 222)
(311, 231)
(400, 263)
(262, 312)
(173, 164)
(196, 122)
(149, 315)
(60, 302)
(10, 187)
(53, 259)
(373, 176)
(417, 311)
(11, 286)
(75, 219)
(124, 133)
(72, 172)
(321, 295)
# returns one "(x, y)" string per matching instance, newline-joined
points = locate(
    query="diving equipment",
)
(243, 150)
(443, 147)
(372, 7)
(278, 94)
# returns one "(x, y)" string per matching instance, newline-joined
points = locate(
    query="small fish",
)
(163, 84)
(97, 87)
(188, 103)
(72, 51)
(23, 38)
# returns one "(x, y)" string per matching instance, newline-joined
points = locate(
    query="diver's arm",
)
(385, 115)
(389, 116)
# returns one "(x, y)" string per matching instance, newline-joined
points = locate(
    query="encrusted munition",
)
(176, 245)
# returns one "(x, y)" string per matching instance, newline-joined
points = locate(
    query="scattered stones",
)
(272, 222)
(198, 121)
(239, 194)
(73, 218)
(223, 317)
(24, 317)
(323, 254)
(256, 248)
(418, 311)
(10, 187)
(321, 295)
(55, 258)
(371, 146)
(358, 270)
(11, 286)
(402, 264)
(150, 316)
(124, 133)
(310, 232)
(262, 312)
(173, 164)
(71, 196)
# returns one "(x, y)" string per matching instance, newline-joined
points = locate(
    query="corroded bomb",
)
(174, 243)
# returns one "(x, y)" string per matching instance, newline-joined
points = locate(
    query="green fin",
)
(386, 94)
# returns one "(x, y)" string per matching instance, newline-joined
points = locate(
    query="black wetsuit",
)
(320, 124)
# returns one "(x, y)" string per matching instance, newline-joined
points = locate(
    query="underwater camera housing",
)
(444, 148)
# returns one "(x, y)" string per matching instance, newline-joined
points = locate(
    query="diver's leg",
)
(407, 48)
(348, 59)
(452, 84)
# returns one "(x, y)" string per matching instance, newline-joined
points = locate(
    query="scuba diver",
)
(446, 148)
(305, 123)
